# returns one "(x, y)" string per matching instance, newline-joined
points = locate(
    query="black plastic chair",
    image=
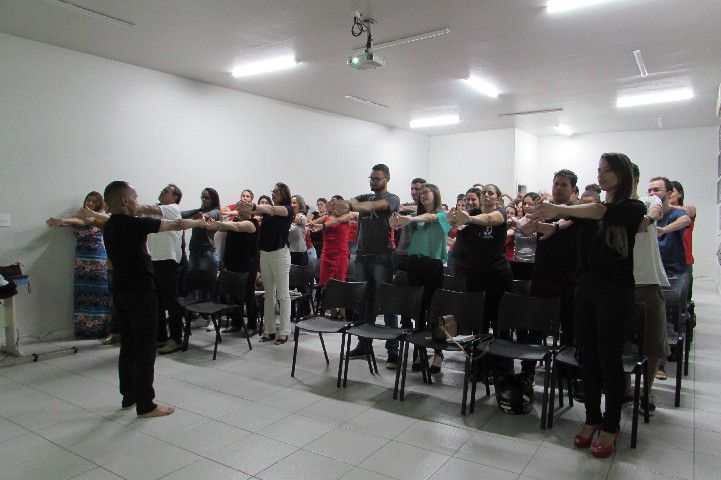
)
(336, 294)
(528, 313)
(677, 338)
(634, 363)
(687, 316)
(301, 278)
(467, 310)
(197, 282)
(229, 292)
(454, 284)
(522, 287)
(401, 300)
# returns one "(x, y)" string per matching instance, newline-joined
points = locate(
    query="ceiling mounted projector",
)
(366, 61)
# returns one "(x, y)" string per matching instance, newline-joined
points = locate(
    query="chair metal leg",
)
(342, 358)
(646, 393)
(186, 338)
(544, 401)
(399, 367)
(296, 334)
(551, 399)
(474, 379)
(373, 359)
(370, 363)
(247, 337)
(347, 357)
(570, 387)
(325, 352)
(687, 351)
(417, 354)
(466, 374)
(423, 353)
(636, 401)
(559, 380)
(216, 325)
(679, 373)
(405, 369)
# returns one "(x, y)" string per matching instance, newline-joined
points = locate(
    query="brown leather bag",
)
(12, 271)
(445, 328)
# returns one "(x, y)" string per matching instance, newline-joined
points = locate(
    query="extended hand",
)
(542, 210)
(660, 231)
(244, 207)
(213, 225)
(545, 229)
(84, 213)
(54, 222)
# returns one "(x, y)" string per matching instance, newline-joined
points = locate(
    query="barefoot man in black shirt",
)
(134, 294)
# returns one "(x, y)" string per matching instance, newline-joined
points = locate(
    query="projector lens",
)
(354, 60)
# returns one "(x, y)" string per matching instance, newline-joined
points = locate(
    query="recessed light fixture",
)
(435, 121)
(558, 6)
(659, 120)
(264, 66)
(639, 62)
(650, 98)
(366, 102)
(564, 129)
(483, 87)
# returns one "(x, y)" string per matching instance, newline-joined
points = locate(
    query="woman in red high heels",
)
(604, 296)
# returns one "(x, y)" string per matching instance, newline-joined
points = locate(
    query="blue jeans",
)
(375, 269)
(207, 260)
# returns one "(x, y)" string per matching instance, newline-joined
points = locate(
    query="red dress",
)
(334, 259)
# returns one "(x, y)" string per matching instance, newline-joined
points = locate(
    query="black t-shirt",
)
(241, 248)
(595, 258)
(201, 239)
(482, 247)
(274, 230)
(556, 256)
(374, 230)
(126, 245)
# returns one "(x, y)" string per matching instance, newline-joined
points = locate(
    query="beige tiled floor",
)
(243, 416)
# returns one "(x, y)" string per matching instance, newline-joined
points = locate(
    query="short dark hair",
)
(567, 174)
(666, 181)
(270, 200)
(594, 187)
(417, 180)
(382, 167)
(214, 198)
(460, 196)
(284, 193)
(114, 191)
(321, 199)
(176, 191)
(337, 197)
(677, 185)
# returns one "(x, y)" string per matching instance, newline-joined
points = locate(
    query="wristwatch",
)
(557, 226)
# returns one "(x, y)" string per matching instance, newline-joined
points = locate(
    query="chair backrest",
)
(348, 295)
(455, 284)
(230, 284)
(301, 276)
(636, 333)
(529, 313)
(401, 278)
(399, 300)
(673, 307)
(522, 287)
(466, 308)
(199, 280)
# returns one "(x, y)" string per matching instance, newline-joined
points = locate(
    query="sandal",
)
(281, 340)
(267, 338)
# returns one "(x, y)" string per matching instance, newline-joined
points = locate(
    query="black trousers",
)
(299, 258)
(603, 315)
(167, 278)
(428, 273)
(522, 270)
(138, 319)
(248, 302)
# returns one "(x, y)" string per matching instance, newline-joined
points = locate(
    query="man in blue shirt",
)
(670, 229)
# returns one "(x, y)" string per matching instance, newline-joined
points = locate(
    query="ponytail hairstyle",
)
(615, 236)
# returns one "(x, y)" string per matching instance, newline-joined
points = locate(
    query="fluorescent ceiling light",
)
(659, 120)
(558, 6)
(650, 98)
(264, 66)
(434, 121)
(564, 130)
(639, 62)
(365, 101)
(483, 87)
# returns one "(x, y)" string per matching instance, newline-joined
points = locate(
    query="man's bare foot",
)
(129, 407)
(159, 411)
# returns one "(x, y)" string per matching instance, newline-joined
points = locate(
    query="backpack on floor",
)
(514, 394)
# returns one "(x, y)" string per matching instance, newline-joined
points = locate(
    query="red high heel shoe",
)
(605, 451)
(585, 442)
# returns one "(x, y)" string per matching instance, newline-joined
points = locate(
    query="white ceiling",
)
(578, 61)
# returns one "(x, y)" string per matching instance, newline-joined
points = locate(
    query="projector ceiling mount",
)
(366, 60)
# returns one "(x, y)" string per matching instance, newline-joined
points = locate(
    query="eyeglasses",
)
(375, 179)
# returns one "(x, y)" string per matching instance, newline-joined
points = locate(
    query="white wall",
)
(526, 161)
(458, 161)
(687, 155)
(72, 122)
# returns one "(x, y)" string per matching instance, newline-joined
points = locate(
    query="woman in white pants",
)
(275, 260)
